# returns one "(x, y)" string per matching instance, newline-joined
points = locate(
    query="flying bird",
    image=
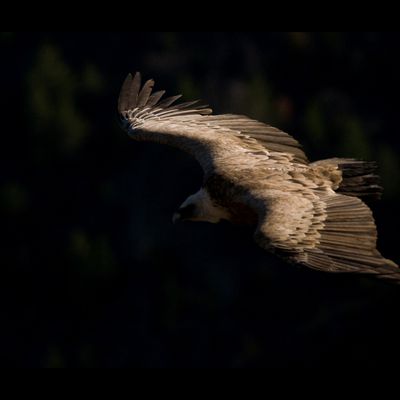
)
(308, 213)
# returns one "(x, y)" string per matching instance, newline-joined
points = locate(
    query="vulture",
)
(309, 213)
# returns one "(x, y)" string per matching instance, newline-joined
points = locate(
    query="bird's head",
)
(187, 212)
(200, 208)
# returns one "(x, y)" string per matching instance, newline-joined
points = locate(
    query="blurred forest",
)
(94, 274)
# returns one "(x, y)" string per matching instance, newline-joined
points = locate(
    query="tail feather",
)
(358, 178)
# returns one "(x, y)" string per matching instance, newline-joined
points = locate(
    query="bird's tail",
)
(356, 178)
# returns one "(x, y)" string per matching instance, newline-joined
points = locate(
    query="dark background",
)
(92, 271)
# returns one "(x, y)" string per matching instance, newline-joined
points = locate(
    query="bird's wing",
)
(320, 229)
(271, 138)
(192, 128)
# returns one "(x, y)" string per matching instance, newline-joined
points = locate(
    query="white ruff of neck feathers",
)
(206, 208)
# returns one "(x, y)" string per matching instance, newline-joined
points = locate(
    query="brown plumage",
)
(308, 213)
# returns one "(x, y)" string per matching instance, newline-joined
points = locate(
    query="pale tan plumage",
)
(310, 214)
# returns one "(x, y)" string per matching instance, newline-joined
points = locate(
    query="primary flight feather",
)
(309, 213)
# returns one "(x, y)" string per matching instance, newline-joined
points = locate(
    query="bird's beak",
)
(176, 218)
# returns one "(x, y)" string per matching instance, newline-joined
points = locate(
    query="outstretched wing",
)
(321, 230)
(191, 127)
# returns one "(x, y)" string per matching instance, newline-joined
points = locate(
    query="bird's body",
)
(254, 174)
